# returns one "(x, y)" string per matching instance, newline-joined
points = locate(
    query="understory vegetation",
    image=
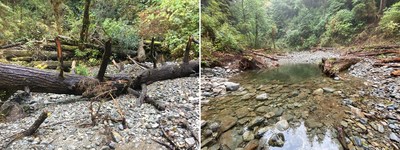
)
(125, 22)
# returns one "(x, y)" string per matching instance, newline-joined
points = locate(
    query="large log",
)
(332, 66)
(34, 55)
(43, 81)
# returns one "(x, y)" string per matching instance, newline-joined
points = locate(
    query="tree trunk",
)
(382, 6)
(141, 56)
(85, 22)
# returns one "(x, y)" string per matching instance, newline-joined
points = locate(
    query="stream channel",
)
(290, 107)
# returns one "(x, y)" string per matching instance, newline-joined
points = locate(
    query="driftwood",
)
(332, 66)
(31, 129)
(390, 60)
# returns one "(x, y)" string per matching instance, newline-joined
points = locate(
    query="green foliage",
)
(82, 69)
(390, 22)
(122, 33)
(364, 10)
(174, 20)
(340, 28)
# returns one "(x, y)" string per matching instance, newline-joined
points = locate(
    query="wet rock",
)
(256, 121)
(278, 112)
(319, 91)
(207, 132)
(260, 132)
(394, 137)
(214, 126)
(215, 147)
(248, 136)
(269, 115)
(312, 123)
(231, 86)
(276, 140)
(231, 139)
(207, 141)
(263, 96)
(242, 112)
(252, 145)
(282, 125)
(203, 123)
(246, 96)
(228, 122)
(262, 109)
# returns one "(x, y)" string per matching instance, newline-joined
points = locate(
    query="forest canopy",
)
(294, 24)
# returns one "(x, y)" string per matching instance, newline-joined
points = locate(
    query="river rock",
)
(227, 122)
(262, 109)
(312, 123)
(256, 121)
(394, 137)
(328, 89)
(242, 112)
(252, 145)
(231, 138)
(248, 136)
(357, 141)
(214, 126)
(319, 91)
(231, 86)
(282, 125)
(260, 132)
(278, 112)
(276, 140)
(263, 96)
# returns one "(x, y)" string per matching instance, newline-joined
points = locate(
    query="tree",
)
(85, 22)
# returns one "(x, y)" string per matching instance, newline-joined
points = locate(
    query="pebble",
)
(248, 136)
(263, 96)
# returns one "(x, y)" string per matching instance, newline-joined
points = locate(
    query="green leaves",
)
(390, 22)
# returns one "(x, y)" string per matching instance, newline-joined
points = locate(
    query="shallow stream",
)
(295, 95)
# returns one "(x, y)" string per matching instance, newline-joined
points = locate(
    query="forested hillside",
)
(125, 22)
(297, 24)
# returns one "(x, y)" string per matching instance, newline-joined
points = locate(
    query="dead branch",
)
(32, 129)
(142, 95)
(60, 57)
(13, 44)
(159, 106)
(104, 62)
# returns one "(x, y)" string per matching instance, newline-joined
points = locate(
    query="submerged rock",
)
(231, 86)
(256, 121)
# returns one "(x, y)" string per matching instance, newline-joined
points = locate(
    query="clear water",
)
(283, 82)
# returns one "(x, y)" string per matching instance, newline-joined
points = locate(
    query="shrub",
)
(390, 22)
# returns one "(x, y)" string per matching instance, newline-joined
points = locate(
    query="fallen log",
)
(379, 52)
(332, 66)
(387, 65)
(44, 81)
(33, 55)
(13, 44)
(390, 60)
(50, 64)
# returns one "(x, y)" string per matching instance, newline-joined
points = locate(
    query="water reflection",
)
(288, 73)
(297, 139)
